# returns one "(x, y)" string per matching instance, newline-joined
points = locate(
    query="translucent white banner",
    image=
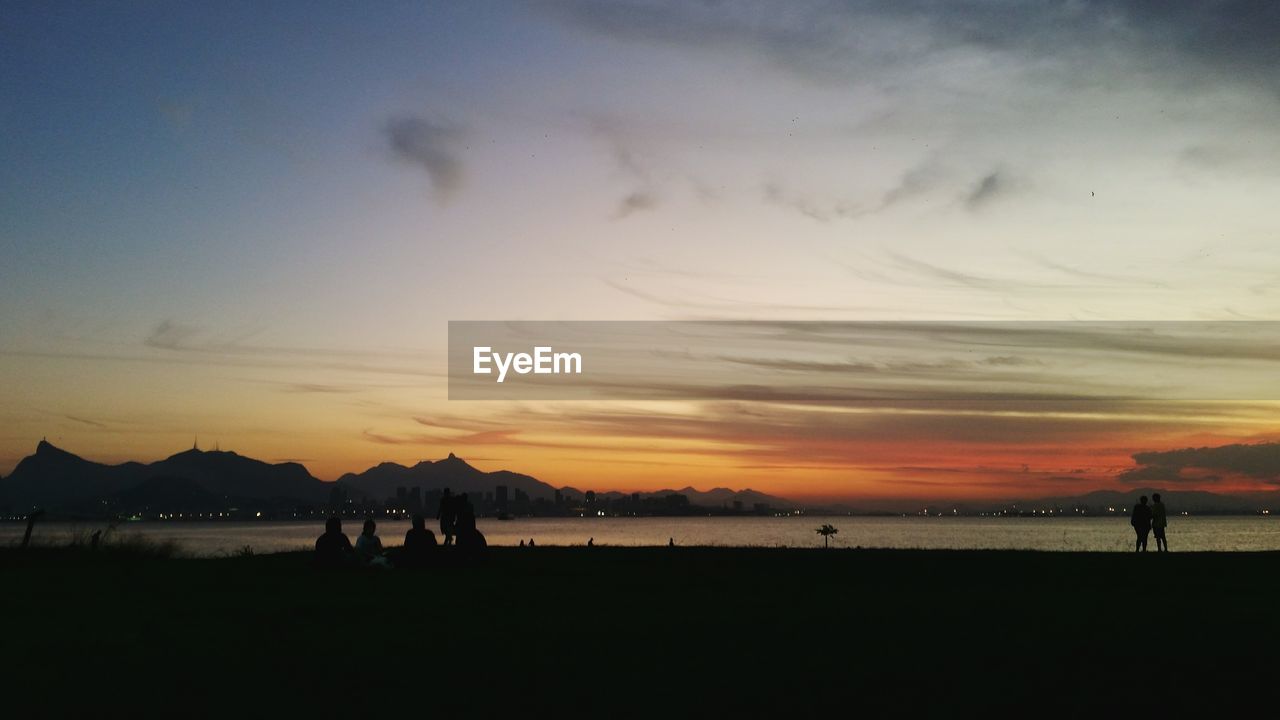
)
(864, 362)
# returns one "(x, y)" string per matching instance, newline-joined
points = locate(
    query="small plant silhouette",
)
(826, 531)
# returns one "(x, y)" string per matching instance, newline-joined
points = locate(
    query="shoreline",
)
(179, 554)
(1191, 534)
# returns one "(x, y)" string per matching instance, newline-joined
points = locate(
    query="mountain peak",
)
(456, 464)
(455, 460)
(47, 449)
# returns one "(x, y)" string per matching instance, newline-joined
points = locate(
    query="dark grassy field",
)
(640, 632)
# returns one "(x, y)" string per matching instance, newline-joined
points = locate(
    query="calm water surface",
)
(1060, 534)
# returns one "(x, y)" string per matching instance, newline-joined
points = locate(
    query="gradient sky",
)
(251, 222)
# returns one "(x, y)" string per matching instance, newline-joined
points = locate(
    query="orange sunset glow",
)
(265, 256)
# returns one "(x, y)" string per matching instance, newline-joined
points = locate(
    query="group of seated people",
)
(419, 549)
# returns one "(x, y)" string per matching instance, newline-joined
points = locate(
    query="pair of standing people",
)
(1145, 519)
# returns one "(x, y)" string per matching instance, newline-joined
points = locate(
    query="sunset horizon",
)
(639, 358)
(1016, 482)
(264, 243)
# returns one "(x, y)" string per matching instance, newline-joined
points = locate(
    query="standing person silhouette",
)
(1141, 522)
(1159, 521)
(448, 515)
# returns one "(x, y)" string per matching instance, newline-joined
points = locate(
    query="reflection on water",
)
(1073, 534)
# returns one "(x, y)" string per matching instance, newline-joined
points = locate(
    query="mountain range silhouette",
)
(197, 480)
(55, 478)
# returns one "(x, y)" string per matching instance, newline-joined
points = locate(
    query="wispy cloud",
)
(988, 188)
(317, 389)
(833, 42)
(695, 303)
(814, 436)
(812, 208)
(633, 203)
(432, 146)
(1094, 275)
(625, 147)
(956, 277)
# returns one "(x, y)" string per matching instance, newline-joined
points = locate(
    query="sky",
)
(251, 223)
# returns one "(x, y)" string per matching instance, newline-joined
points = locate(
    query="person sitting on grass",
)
(464, 513)
(333, 548)
(469, 538)
(419, 542)
(369, 547)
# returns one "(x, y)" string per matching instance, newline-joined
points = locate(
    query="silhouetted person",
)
(464, 514)
(447, 514)
(333, 548)
(531, 543)
(469, 538)
(1159, 521)
(591, 542)
(419, 542)
(369, 546)
(671, 542)
(1141, 522)
(521, 542)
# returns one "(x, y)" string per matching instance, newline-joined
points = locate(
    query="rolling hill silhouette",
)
(1176, 500)
(452, 472)
(715, 497)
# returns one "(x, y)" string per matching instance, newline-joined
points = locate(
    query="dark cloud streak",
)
(988, 188)
(1259, 462)
(635, 202)
(1190, 43)
(431, 146)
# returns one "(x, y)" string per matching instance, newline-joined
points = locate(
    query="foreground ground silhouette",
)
(636, 632)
